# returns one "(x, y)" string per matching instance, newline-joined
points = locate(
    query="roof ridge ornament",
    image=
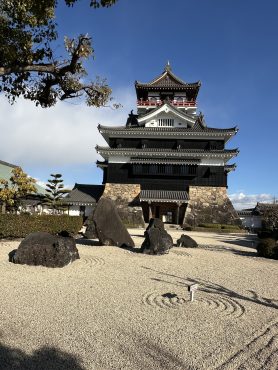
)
(168, 67)
(132, 120)
(201, 120)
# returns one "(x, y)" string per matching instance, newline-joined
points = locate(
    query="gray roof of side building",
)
(6, 172)
(84, 194)
(8, 164)
(263, 207)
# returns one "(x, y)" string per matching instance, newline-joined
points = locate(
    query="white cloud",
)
(63, 135)
(241, 200)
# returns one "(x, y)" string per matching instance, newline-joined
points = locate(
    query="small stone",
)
(186, 241)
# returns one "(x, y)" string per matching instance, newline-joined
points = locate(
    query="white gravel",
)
(116, 309)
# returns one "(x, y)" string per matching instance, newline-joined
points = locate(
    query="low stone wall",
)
(209, 204)
(127, 200)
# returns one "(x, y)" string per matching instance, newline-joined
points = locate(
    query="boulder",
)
(90, 232)
(157, 240)
(90, 227)
(41, 248)
(155, 223)
(186, 242)
(109, 226)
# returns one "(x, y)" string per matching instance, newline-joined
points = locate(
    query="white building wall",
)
(212, 162)
(251, 222)
(118, 159)
(75, 210)
(177, 122)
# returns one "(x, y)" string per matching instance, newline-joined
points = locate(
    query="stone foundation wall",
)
(210, 205)
(127, 200)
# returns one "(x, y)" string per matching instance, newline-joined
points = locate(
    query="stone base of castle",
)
(206, 205)
(209, 205)
(127, 200)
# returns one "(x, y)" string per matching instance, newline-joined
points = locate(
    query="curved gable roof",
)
(166, 107)
(168, 79)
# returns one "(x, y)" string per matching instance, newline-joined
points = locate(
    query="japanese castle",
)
(166, 160)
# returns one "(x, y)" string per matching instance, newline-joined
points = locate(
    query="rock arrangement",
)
(109, 227)
(186, 241)
(44, 249)
(157, 240)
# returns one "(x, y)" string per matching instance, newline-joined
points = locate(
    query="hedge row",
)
(19, 226)
(220, 226)
(215, 230)
(268, 248)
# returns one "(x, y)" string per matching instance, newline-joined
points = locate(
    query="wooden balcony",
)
(157, 103)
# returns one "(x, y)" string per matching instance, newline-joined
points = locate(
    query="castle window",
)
(166, 122)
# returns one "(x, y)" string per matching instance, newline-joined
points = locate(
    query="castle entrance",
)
(169, 213)
(167, 205)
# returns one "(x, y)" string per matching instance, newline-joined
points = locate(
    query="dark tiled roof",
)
(164, 196)
(172, 161)
(164, 150)
(183, 130)
(245, 212)
(8, 164)
(83, 194)
(168, 79)
(230, 167)
(263, 207)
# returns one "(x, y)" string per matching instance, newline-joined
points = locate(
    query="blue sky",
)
(230, 45)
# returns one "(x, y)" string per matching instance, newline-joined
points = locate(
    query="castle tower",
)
(167, 159)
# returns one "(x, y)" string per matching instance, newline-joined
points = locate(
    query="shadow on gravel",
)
(213, 288)
(220, 248)
(45, 358)
(131, 249)
(90, 242)
(248, 241)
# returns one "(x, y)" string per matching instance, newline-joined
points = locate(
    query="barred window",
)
(166, 122)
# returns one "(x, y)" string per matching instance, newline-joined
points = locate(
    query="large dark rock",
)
(155, 223)
(109, 226)
(157, 240)
(186, 242)
(90, 232)
(44, 249)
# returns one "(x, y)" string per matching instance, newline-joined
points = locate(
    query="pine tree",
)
(55, 193)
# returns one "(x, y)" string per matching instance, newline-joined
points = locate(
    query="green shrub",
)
(220, 227)
(232, 230)
(215, 230)
(230, 227)
(211, 226)
(19, 226)
(268, 248)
